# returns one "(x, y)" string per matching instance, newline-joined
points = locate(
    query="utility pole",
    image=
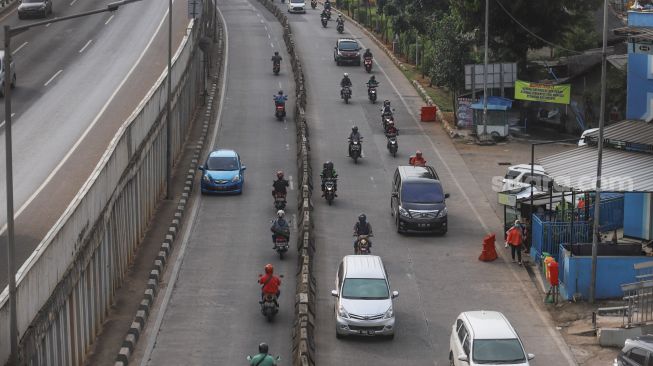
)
(168, 113)
(596, 238)
(485, 61)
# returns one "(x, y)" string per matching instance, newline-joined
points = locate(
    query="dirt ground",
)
(574, 320)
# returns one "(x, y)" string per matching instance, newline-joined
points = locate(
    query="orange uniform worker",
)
(514, 239)
(417, 159)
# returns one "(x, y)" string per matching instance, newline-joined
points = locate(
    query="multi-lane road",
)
(212, 315)
(77, 82)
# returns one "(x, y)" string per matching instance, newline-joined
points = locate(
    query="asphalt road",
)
(213, 316)
(77, 82)
(437, 276)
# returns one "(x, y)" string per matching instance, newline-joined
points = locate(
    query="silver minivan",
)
(363, 298)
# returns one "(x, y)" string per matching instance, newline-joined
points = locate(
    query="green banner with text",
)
(537, 92)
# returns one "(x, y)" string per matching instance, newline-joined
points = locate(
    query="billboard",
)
(498, 75)
(537, 92)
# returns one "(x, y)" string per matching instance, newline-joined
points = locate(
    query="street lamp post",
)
(168, 116)
(485, 62)
(10, 32)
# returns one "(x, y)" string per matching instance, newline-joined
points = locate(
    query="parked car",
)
(485, 338)
(2, 74)
(636, 352)
(347, 50)
(223, 172)
(519, 176)
(363, 298)
(34, 8)
(296, 6)
(417, 200)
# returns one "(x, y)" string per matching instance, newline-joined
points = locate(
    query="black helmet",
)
(325, 165)
(354, 128)
(280, 92)
(362, 218)
(329, 164)
(367, 50)
(276, 53)
(263, 348)
(373, 78)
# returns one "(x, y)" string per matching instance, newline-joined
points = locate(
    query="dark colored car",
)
(223, 172)
(418, 200)
(636, 352)
(34, 8)
(347, 50)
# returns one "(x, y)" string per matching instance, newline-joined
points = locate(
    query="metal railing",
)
(638, 303)
(547, 236)
(66, 286)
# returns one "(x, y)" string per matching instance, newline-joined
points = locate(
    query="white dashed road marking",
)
(20, 47)
(86, 45)
(52, 78)
(108, 20)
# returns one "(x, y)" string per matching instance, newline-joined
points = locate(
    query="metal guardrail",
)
(638, 303)
(66, 286)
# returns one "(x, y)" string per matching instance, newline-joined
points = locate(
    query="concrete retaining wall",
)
(303, 344)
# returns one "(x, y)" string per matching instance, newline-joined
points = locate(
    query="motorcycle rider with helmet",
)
(362, 227)
(280, 98)
(387, 109)
(417, 159)
(345, 82)
(262, 358)
(354, 136)
(367, 54)
(270, 284)
(340, 20)
(328, 172)
(390, 129)
(276, 59)
(327, 5)
(280, 227)
(280, 184)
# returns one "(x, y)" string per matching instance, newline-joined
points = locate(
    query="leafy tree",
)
(550, 20)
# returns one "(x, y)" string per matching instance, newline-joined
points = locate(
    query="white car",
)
(519, 176)
(296, 6)
(581, 140)
(485, 338)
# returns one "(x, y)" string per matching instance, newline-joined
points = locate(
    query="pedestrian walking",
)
(514, 238)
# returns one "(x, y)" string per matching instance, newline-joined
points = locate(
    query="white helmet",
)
(280, 213)
(346, 75)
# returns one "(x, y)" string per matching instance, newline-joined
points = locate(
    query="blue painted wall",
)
(639, 104)
(638, 215)
(611, 273)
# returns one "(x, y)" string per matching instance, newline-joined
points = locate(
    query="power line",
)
(532, 33)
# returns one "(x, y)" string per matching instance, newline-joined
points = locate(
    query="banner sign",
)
(537, 92)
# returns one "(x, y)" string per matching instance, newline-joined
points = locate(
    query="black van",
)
(418, 201)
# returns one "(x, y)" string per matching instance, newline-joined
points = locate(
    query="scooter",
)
(355, 149)
(279, 201)
(363, 245)
(280, 245)
(392, 144)
(367, 62)
(276, 68)
(340, 28)
(324, 21)
(313, 4)
(346, 94)
(280, 111)
(330, 190)
(371, 93)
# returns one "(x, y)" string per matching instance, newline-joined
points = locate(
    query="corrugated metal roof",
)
(633, 131)
(622, 171)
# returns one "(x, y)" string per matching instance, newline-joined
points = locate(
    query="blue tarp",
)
(494, 104)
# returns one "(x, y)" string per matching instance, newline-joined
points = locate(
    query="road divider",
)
(303, 342)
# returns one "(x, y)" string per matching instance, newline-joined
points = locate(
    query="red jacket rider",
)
(417, 160)
(270, 283)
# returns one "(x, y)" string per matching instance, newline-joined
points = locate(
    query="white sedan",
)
(296, 6)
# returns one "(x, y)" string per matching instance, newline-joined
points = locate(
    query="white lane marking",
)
(182, 250)
(287, 145)
(271, 44)
(262, 22)
(564, 349)
(108, 20)
(290, 182)
(20, 47)
(47, 25)
(280, 86)
(52, 78)
(269, 36)
(89, 128)
(86, 45)
(73, 2)
(5, 121)
(294, 221)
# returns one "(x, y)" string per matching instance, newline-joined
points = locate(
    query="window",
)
(348, 46)
(466, 346)
(221, 163)
(637, 355)
(462, 332)
(498, 351)
(340, 274)
(512, 174)
(365, 289)
(422, 192)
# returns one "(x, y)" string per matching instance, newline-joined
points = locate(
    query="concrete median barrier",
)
(303, 344)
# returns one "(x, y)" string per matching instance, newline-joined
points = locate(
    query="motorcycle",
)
(385, 122)
(330, 190)
(371, 93)
(280, 111)
(313, 4)
(363, 245)
(328, 13)
(340, 27)
(281, 245)
(367, 62)
(324, 21)
(392, 144)
(276, 68)
(355, 149)
(279, 201)
(346, 94)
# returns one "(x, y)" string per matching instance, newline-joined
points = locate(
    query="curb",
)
(452, 131)
(168, 244)
(303, 343)
(7, 5)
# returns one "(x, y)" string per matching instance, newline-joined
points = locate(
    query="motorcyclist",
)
(387, 109)
(328, 172)
(390, 129)
(362, 227)
(345, 82)
(367, 54)
(270, 284)
(354, 136)
(262, 358)
(417, 159)
(340, 20)
(280, 184)
(276, 59)
(324, 14)
(327, 5)
(280, 227)
(280, 98)
(372, 83)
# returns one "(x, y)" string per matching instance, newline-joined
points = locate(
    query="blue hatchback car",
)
(223, 172)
